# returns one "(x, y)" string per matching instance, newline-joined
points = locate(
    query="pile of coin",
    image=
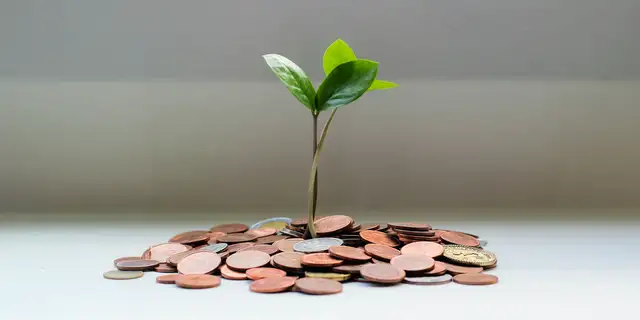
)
(277, 255)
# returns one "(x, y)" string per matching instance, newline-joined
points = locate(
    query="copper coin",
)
(456, 270)
(262, 232)
(198, 281)
(410, 226)
(411, 238)
(429, 233)
(288, 260)
(223, 255)
(137, 265)
(230, 228)
(146, 255)
(459, 238)
(175, 259)
(430, 249)
(239, 246)
(304, 221)
(122, 275)
(213, 236)
(332, 224)
(467, 233)
(378, 237)
(190, 237)
(266, 248)
(166, 268)
(475, 279)
(349, 253)
(270, 239)
(369, 226)
(349, 268)
(286, 245)
(232, 275)
(200, 262)
(168, 278)
(379, 261)
(413, 262)
(247, 259)
(383, 227)
(163, 251)
(320, 260)
(318, 286)
(381, 252)
(382, 273)
(273, 284)
(438, 270)
(261, 273)
(125, 259)
(236, 238)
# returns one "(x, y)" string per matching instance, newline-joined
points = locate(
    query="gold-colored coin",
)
(278, 225)
(328, 275)
(469, 255)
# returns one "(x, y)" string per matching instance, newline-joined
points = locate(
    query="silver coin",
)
(317, 244)
(429, 280)
(483, 243)
(218, 247)
(292, 233)
(270, 220)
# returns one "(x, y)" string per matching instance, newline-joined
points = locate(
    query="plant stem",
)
(311, 195)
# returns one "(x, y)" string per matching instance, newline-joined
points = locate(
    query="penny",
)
(247, 259)
(467, 233)
(272, 284)
(227, 273)
(459, 238)
(383, 227)
(262, 232)
(230, 228)
(430, 233)
(410, 226)
(200, 262)
(292, 233)
(469, 255)
(270, 239)
(168, 278)
(378, 237)
(261, 273)
(407, 238)
(316, 245)
(379, 261)
(349, 268)
(223, 255)
(304, 221)
(218, 247)
(354, 228)
(381, 252)
(320, 260)
(413, 262)
(166, 268)
(438, 270)
(332, 224)
(286, 245)
(328, 275)
(369, 226)
(475, 279)
(382, 273)
(198, 281)
(266, 248)
(430, 249)
(125, 259)
(163, 251)
(137, 265)
(288, 260)
(456, 270)
(213, 236)
(146, 255)
(349, 253)
(318, 286)
(236, 238)
(239, 246)
(122, 275)
(175, 259)
(429, 280)
(190, 237)
(276, 223)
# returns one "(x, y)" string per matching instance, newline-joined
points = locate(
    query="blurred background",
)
(506, 108)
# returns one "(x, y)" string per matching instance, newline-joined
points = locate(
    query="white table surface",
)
(53, 269)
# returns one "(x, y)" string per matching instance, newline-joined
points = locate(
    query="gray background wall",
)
(167, 106)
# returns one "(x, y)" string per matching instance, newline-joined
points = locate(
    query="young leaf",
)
(336, 54)
(346, 83)
(293, 78)
(382, 85)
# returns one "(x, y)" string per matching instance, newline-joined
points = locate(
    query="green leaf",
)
(336, 54)
(382, 85)
(346, 83)
(293, 78)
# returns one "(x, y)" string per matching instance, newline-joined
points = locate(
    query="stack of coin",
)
(274, 255)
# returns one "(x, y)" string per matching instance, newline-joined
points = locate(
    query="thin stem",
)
(314, 174)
